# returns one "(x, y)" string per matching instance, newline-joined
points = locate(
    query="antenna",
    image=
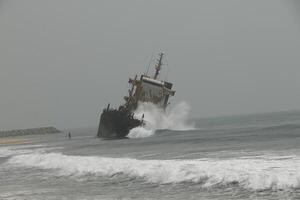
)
(149, 64)
(158, 65)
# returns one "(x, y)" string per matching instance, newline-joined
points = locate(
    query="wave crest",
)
(250, 173)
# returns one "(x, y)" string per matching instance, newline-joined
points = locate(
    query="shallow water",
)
(241, 157)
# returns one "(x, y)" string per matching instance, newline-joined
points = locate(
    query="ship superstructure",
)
(149, 89)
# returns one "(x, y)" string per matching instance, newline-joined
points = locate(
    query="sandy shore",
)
(10, 140)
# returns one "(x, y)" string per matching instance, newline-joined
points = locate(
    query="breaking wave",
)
(174, 119)
(255, 173)
(15, 150)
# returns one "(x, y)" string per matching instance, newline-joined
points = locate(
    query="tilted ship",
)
(116, 123)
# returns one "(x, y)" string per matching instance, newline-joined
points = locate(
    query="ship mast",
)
(158, 65)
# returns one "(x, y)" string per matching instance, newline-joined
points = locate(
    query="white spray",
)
(155, 118)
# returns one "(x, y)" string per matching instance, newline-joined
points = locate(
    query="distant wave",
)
(174, 119)
(287, 129)
(250, 173)
(287, 126)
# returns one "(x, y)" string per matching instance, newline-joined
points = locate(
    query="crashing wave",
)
(174, 119)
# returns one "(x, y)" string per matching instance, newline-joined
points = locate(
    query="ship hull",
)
(116, 124)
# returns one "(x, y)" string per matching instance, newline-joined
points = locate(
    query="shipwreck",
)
(117, 122)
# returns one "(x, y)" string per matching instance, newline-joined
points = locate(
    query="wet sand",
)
(14, 140)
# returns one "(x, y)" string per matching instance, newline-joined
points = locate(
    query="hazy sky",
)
(62, 61)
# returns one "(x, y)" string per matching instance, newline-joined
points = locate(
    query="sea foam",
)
(250, 173)
(174, 119)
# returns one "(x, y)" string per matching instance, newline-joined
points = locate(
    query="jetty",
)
(30, 131)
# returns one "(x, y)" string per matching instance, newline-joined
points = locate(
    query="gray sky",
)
(62, 61)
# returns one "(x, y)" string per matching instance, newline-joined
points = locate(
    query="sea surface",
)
(239, 157)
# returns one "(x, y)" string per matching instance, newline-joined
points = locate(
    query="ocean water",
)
(238, 157)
